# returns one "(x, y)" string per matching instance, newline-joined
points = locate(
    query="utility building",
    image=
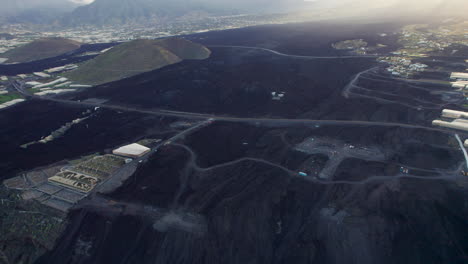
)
(447, 113)
(132, 151)
(42, 75)
(455, 124)
(460, 84)
(461, 76)
(453, 119)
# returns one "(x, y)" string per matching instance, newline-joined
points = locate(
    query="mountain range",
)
(112, 12)
(102, 12)
(16, 7)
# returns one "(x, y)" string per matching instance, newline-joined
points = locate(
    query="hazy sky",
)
(406, 6)
(341, 7)
(82, 1)
(393, 8)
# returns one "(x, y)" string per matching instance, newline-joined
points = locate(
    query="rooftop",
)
(132, 150)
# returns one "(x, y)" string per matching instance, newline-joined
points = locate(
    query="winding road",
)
(462, 147)
(198, 168)
(294, 56)
(256, 120)
(192, 163)
(19, 86)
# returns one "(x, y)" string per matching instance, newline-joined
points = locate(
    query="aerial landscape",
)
(202, 131)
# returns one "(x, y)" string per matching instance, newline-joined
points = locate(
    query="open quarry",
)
(337, 152)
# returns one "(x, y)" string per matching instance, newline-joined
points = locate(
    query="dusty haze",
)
(389, 8)
(315, 8)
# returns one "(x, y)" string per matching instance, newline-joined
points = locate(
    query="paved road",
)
(294, 56)
(465, 154)
(193, 163)
(53, 195)
(446, 177)
(201, 116)
(320, 57)
(270, 121)
(352, 83)
(121, 175)
(387, 178)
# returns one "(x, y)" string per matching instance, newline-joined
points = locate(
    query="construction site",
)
(62, 185)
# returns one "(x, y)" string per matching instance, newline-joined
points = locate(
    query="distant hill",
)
(70, 13)
(42, 12)
(41, 49)
(6, 36)
(105, 12)
(137, 57)
(12, 7)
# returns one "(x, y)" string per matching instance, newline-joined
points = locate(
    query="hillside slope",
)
(41, 49)
(137, 57)
(111, 12)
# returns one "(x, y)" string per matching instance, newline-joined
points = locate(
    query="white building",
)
(455, 124)
(132, 151)
(56, 91)
(62, 85)
(461, 76)
(460, 84)
(80, 86)
(62, 68)
(33, 83)
(447, 113)
(10, 103)
(60, 80)
(453, 119)
(42, 74)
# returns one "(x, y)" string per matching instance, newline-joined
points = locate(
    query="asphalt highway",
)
(294, 56)
(256, 120)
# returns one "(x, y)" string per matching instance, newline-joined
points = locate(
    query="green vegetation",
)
(28, 228)
(100, 166)
(41, 49)
(31, 90)
(83, 159)
(423, 39)
(350, 44)
(136, 57)
(8, 97)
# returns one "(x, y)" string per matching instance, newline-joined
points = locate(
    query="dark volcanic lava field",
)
(386, 188)
(237, 82)
(103, 130)
(251, 206)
